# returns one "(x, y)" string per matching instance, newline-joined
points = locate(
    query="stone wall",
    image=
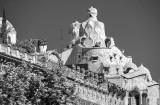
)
(139, 82)
(96, 97)
(153, 94)
(109, 58)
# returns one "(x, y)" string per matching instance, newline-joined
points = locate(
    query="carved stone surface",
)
(11, 32)
(92, 47)
(74, 31)
(153, 95)
(90, 33)
(139, 82)
(145, 70)
(96, 97)
(93, 30)
(108, 57)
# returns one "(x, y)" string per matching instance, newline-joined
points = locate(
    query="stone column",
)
(140, 97)
(25, 57)
(17, 54)
(9, 50)
(126, 98)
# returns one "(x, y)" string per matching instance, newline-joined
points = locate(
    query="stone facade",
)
(101, 72)
(108, 77)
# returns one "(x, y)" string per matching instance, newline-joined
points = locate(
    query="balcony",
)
(21, 55)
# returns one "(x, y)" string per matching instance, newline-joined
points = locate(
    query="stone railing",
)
(94, 81)
(21, 55)
(81, 72)
(82, 75)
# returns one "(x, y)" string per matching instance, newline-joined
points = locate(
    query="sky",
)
(134, 24)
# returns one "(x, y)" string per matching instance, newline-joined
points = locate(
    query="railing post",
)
(25, 56)
(8, 50)
(17, 54)
(126, 98)
(140, 98)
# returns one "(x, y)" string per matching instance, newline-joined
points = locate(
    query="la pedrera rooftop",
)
(102, 73)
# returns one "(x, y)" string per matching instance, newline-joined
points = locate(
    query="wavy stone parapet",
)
(36, 59)
(109, 57)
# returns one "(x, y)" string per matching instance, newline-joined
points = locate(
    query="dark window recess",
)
(106, 69)
(9, 39)
(108, 42)
(127, 70)
(79, 56)
(115, 55)
(120, 58)
(110, 58)
(98, 44)
(117, 69)
(94, 58)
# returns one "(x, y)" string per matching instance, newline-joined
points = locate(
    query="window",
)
(94, 58)
(108, 42)
(79, 55)
(9, 40)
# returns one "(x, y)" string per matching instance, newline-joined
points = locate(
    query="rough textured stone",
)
(118, 69)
